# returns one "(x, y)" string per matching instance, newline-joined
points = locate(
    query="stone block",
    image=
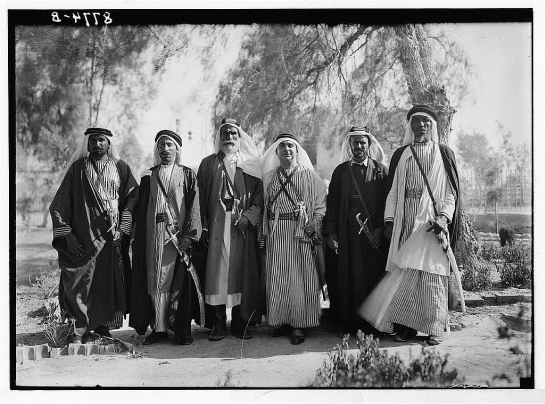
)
(489, 299)
(19, 354)
(507, 298)
(58, 352)
(41, 351)
(525, 297)
(107, 349)
(455, 327)
(92, 349)
(26, 353)
(76, 349)
(472, 300)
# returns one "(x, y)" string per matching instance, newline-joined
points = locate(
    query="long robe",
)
(244, 266)
(163, 292)
(414, 292)
(92, 287)
(292, 277)
(356, 269)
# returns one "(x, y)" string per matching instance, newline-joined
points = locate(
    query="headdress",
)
(177, 142)
(270, 160)
(422, 110)
(375, 149)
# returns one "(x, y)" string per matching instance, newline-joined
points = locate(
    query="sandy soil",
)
(475, 351)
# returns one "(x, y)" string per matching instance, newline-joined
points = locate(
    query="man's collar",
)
(364, 163)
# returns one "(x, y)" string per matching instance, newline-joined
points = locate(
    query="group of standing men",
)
(246, 232)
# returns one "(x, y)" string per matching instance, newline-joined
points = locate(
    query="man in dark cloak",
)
(167, 222)
(356, 257)
(92, 218)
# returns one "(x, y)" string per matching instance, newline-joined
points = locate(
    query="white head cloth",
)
(249, 155)
(409, 134)
(82, 152)
(157, 157)
(375, 149)
(270, 160)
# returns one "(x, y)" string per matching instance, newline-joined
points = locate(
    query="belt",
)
(282, 216)
(228, 204)
(354, 202)
(162, 217)
(412, 193)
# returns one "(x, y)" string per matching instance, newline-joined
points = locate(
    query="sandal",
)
(297, 337)
(433, 340)
(405, 334)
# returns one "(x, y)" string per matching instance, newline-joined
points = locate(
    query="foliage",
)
(57, 330)
(516, 270)
(313, 81)
(371, 367)
(477, 277)
(507, 235)
(490, 252)
(46, 282)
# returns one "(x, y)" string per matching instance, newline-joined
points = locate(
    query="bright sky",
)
(501, 91)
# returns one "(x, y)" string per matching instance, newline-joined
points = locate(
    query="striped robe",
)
(292, 278)
(92, 287)
(162, 289)
(414, 292)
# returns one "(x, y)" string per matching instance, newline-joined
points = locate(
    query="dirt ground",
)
(479, 355)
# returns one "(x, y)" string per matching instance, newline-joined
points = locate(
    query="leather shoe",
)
(103, 330)
(297, 337)
(240, 332)
(155, 337)
(219, 328)
(181, 340)
(284, 329)
(405, 334)
(433, 340)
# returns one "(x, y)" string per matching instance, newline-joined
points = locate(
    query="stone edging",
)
(473, 299)
(37, 352)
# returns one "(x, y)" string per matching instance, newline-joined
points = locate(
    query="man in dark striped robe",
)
(92, 218)
(356, 261)
(295, 199)
(414, 293)
(167, 216)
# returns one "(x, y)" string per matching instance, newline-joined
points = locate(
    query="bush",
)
(490, 252)
(46, 282)
(507, 235)
(370, 367)
(476, 278)
(516, 269)
(57, 330)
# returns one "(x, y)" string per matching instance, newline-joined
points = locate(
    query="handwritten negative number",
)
(76, 16)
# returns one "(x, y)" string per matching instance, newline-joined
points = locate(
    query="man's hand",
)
(73, 244)
(117, 238)
(243, 223)
(439, 225)
(184, 243)
(332, 242)
(376, 237)
(309, 227)
(388, 228)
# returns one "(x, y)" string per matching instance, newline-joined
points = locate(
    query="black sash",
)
(359, 194)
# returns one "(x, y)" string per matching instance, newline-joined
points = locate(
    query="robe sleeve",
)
(61, 208)
(192, 224)
(447, 209)
(256, 201)
(382, 184)
(331, 219)
(202, 181)
(320, 195)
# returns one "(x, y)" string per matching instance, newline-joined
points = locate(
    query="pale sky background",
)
(501, 90)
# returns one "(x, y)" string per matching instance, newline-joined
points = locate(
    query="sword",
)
(444, 241)
(190, 268)
(363, 226)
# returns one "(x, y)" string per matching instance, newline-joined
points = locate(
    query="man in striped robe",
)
(414, 293)
(231, 195)
(167, 216)
(92, 218)
(295, 201)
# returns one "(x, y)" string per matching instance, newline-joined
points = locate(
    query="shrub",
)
(490, 252)
(507, 235)
(516, 269)
(57, 330)
(46, 282)
(370, 367)
(476, 278)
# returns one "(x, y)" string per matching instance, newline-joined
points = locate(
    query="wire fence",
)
(509, 190)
